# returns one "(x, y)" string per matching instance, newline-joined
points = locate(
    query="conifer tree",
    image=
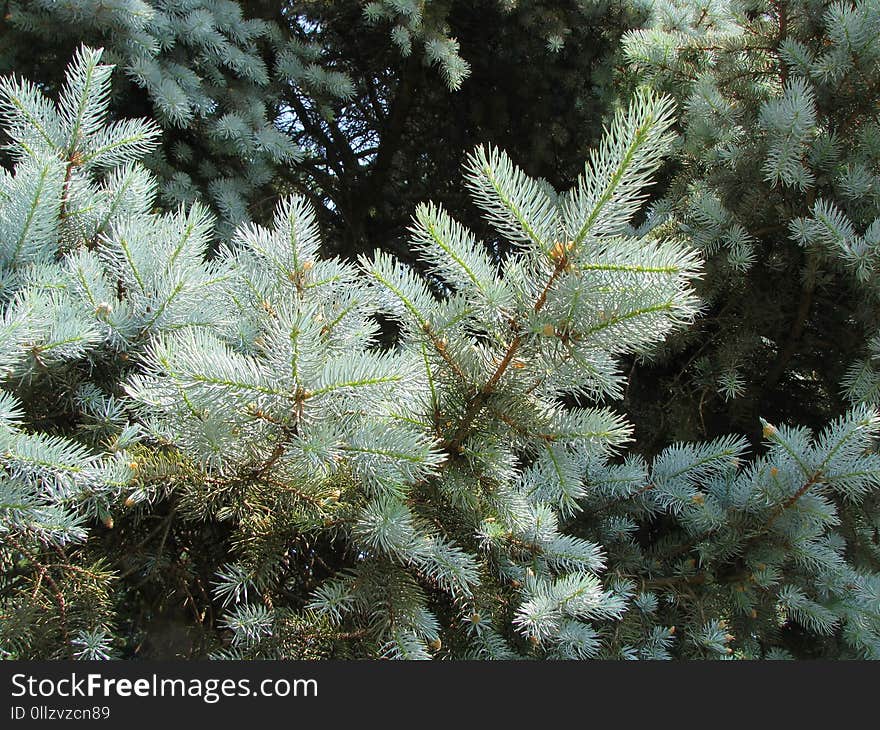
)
(442, 466)
(202, 66)
(67, 328)
(777, 184)
(365, 108)
(218, 440)
(219, 76)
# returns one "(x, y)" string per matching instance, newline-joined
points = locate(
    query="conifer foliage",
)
(320, 457)
(777, 185)
(216, 75)
(201, 66)
(445, 464)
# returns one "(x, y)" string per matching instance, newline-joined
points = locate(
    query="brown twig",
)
(43, 572)
(479, 401)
